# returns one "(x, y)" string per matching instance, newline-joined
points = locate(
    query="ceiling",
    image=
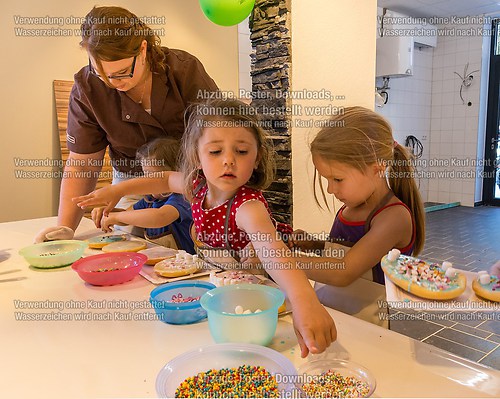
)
(441, 8)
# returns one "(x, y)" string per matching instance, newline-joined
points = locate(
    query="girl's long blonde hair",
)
(359, 137)
(224, 113)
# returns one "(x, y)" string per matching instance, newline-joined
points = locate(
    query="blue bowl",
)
(252, 328)
(163, 300)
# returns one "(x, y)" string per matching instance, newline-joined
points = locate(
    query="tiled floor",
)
(470, 238)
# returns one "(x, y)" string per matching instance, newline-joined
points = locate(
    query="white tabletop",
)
(121, 358)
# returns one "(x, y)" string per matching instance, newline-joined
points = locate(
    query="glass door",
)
(491, 181)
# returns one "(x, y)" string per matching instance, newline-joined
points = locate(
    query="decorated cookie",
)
(233, 277)
(182, 265)
(487, 286)
(157, 254)
(124, 246)
(425, 280)
(100, 241)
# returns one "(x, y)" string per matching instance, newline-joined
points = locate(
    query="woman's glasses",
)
(118, 76)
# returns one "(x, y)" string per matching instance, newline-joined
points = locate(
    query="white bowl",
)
(225, 356)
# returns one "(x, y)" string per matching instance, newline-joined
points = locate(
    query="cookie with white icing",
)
(182, 265)
(423, 279)
(230, 277)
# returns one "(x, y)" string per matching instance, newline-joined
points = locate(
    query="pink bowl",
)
(110, 268)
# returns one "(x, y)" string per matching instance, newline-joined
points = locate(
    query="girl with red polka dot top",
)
(226, 162)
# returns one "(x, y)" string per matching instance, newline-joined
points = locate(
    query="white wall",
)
(408, 108)
(428, 105)
(454, 124)
(30, 64)
(244, 61)
(333, 49)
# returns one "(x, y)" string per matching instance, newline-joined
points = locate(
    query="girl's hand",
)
(108, 196)
(495, 269)
(97, 214)
(108, 222)
(314, 327)
(300, 239)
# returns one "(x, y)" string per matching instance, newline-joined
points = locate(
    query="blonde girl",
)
(226, 163)
(373, 176)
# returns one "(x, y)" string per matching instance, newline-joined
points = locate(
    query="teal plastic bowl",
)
(252, 328)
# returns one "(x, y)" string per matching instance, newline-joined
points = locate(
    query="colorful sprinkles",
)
(332, 384)
(431, 275)
(241, 382)
(106, 269)
(180, 299)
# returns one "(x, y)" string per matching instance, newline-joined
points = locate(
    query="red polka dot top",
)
(211, 223)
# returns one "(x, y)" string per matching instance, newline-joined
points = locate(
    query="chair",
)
(62, 90)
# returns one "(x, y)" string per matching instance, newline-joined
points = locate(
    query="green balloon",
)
(227, 12)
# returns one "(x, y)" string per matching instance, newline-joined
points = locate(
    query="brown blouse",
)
(99, 116)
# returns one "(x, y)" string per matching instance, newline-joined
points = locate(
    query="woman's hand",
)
(54, 233)
(314, 327)
(108, 196)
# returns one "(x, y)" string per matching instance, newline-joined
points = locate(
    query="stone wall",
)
(271, 73)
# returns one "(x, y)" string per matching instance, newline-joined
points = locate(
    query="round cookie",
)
(425, 280)
(157, 254)
(490, 290)
(182, 265)
(233, 277)
(124, 246)
(103, 240)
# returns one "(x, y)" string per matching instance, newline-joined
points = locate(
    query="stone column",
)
(271, 63)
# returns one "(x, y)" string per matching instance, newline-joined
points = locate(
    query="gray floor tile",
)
(467, 340)
(492, 360)
(491, 325)
(468, 318)
(471, 330)
(455, 348)
(418, 329)
(494, 338)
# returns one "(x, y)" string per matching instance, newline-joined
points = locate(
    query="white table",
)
(121, 358)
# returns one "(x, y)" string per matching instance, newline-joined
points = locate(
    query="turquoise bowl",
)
(252, 328)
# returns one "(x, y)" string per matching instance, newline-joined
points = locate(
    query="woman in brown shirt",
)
(132, 91)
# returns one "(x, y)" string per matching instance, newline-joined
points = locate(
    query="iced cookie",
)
(233, 277)
(487, 286)
(182, 265)
(100, 241)
(425, 280)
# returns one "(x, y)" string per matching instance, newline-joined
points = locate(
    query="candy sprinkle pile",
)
(106, 269)
(242, 382)
(332, 384)
(180, 299)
